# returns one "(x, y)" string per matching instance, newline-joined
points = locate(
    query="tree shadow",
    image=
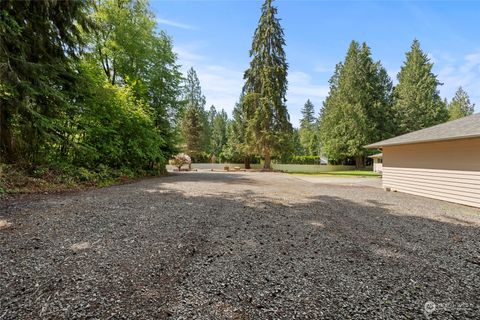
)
(245, 257)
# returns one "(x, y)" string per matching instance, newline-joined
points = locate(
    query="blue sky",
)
(214, 38)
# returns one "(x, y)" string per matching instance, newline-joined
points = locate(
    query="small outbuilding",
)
(377, 162)
(440, 162)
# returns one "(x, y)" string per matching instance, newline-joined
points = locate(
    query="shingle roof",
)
(467, 127)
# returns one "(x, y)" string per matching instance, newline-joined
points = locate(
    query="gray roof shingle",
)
(467, 127)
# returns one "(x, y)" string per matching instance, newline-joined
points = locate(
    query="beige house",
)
(440, 162)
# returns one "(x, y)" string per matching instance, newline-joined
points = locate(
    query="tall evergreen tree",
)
(268, 124)
(193, 124)
(212, 112)
(417, 102)
(219, 133)
(192, 92)
(308, 114)
(298, 148)
(307, 132)
(357, 110)
(38, 41)
(237, 148)
(460, 106)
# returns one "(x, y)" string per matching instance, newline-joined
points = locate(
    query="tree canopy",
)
(417, 102)
(308, 133)
(96, 84)
(357, 110)
(194, 123)
(39, 44)
(460, 106)
(87, 85)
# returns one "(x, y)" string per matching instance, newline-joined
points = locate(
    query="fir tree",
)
(39, 40)
(298, 149)
(194, 121)
(308, 114)
(417, 103)
(236, 148)
(357, 110)
(460, 106)
(307, 132)
(219, 133)
(268, 125)
(192, 92)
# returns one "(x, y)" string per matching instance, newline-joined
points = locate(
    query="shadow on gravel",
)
(222, 177)
(159, 257)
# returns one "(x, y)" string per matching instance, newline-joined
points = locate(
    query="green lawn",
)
(358, 173)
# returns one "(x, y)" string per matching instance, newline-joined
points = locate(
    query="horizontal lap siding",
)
(448, 171)
(461, 187)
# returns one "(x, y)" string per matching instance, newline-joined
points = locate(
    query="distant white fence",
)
(215, 166)
(307, 168)
(300, 168)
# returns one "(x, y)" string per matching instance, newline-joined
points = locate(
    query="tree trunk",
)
(6, 148)
(247, 161)
(266, 164)
(359, 162)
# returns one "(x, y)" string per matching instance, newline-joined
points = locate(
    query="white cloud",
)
(321, 69)
(301, 88)
(464, 72)
(222, 82)
(175, 24)
(221, 85)
(187, 56)
(432, 58)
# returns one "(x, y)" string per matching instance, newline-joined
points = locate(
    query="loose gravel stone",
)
(210, 245)
(77, 247)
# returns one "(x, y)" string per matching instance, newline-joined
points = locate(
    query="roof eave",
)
(379, 145)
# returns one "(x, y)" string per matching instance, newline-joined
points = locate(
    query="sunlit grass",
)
(358, 173)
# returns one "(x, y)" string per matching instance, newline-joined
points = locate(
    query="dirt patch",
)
(4, 224)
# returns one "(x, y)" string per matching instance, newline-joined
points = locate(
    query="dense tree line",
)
(85, 84)
(94, 84)
(362, 107)
(358, 109)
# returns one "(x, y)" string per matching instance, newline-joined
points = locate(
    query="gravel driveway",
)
(238, 246)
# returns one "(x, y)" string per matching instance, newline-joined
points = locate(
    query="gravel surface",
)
(238, 246)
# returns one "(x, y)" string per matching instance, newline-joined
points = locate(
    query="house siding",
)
(444, 170)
